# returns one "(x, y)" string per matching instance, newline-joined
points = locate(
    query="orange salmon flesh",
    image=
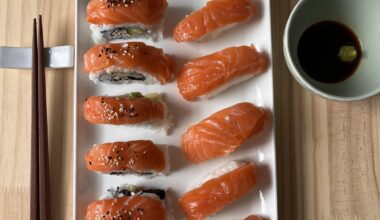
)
(134, 156)
(132, 207)
(206, 74)
(253, 217)
(217, 193)
(106, 12)
(215, 15)
(223, 132)
(122, 110)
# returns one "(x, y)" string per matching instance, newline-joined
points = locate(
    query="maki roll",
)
(130, 202)
(139, 157)
(126, 19)
(133, 109)
(128, 63)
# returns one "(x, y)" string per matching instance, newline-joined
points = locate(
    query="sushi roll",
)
(216, 16)
(222, 133)
(133, 109)
(126, 19)
(128, 63)
(130, 203)
(219, 189)
(133, 157)
(209, 75)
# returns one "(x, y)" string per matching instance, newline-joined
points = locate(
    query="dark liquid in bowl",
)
(320, 52)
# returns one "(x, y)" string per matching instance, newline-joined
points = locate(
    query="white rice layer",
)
(216, 33)
(165, 150)
(154, 32)
(227, 85)
(157, 126)
(149, 79)
(220, 171)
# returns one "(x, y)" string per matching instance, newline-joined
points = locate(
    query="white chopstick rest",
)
(21, 57)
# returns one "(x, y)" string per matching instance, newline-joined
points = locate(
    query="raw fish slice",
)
(216, 15)
(132, 207)
(215, 72)
(112, 12)
(130, 109)
(216, 193)
(222, 133)
(140, 157)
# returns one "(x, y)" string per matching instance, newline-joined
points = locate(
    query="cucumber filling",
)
(121, 76)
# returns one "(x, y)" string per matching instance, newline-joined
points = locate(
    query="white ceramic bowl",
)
(362, 17)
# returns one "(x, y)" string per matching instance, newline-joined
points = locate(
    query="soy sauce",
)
(329, 52)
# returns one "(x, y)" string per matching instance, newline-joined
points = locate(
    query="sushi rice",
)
(101, 33)
(123, 76)
(220, 171)
(227, 85)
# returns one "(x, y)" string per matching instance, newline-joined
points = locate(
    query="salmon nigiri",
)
(140, 157)
(222, 133)
(208, 75)
(128, 62)
(131, 109)
(125, 19)
(216, 15)
(131, 204)
(228, 184)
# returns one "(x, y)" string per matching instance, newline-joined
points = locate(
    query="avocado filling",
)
(121, 76)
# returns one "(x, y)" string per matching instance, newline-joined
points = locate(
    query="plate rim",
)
(75, 114)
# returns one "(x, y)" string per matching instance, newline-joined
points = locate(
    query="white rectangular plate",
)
(90, 186)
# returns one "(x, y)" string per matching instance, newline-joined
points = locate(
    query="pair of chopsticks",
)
(39, 201)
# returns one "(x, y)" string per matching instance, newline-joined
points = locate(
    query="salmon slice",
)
(113, 12)
(253, 217)
(215, 194)
(132, 56)
(217, 14)
(142, 157)
(132, 207)
(131, 109)
(222, 133)
(210, 73)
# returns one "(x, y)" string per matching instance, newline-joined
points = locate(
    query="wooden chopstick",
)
(42, 127)
(34, 179)
(39, 201)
